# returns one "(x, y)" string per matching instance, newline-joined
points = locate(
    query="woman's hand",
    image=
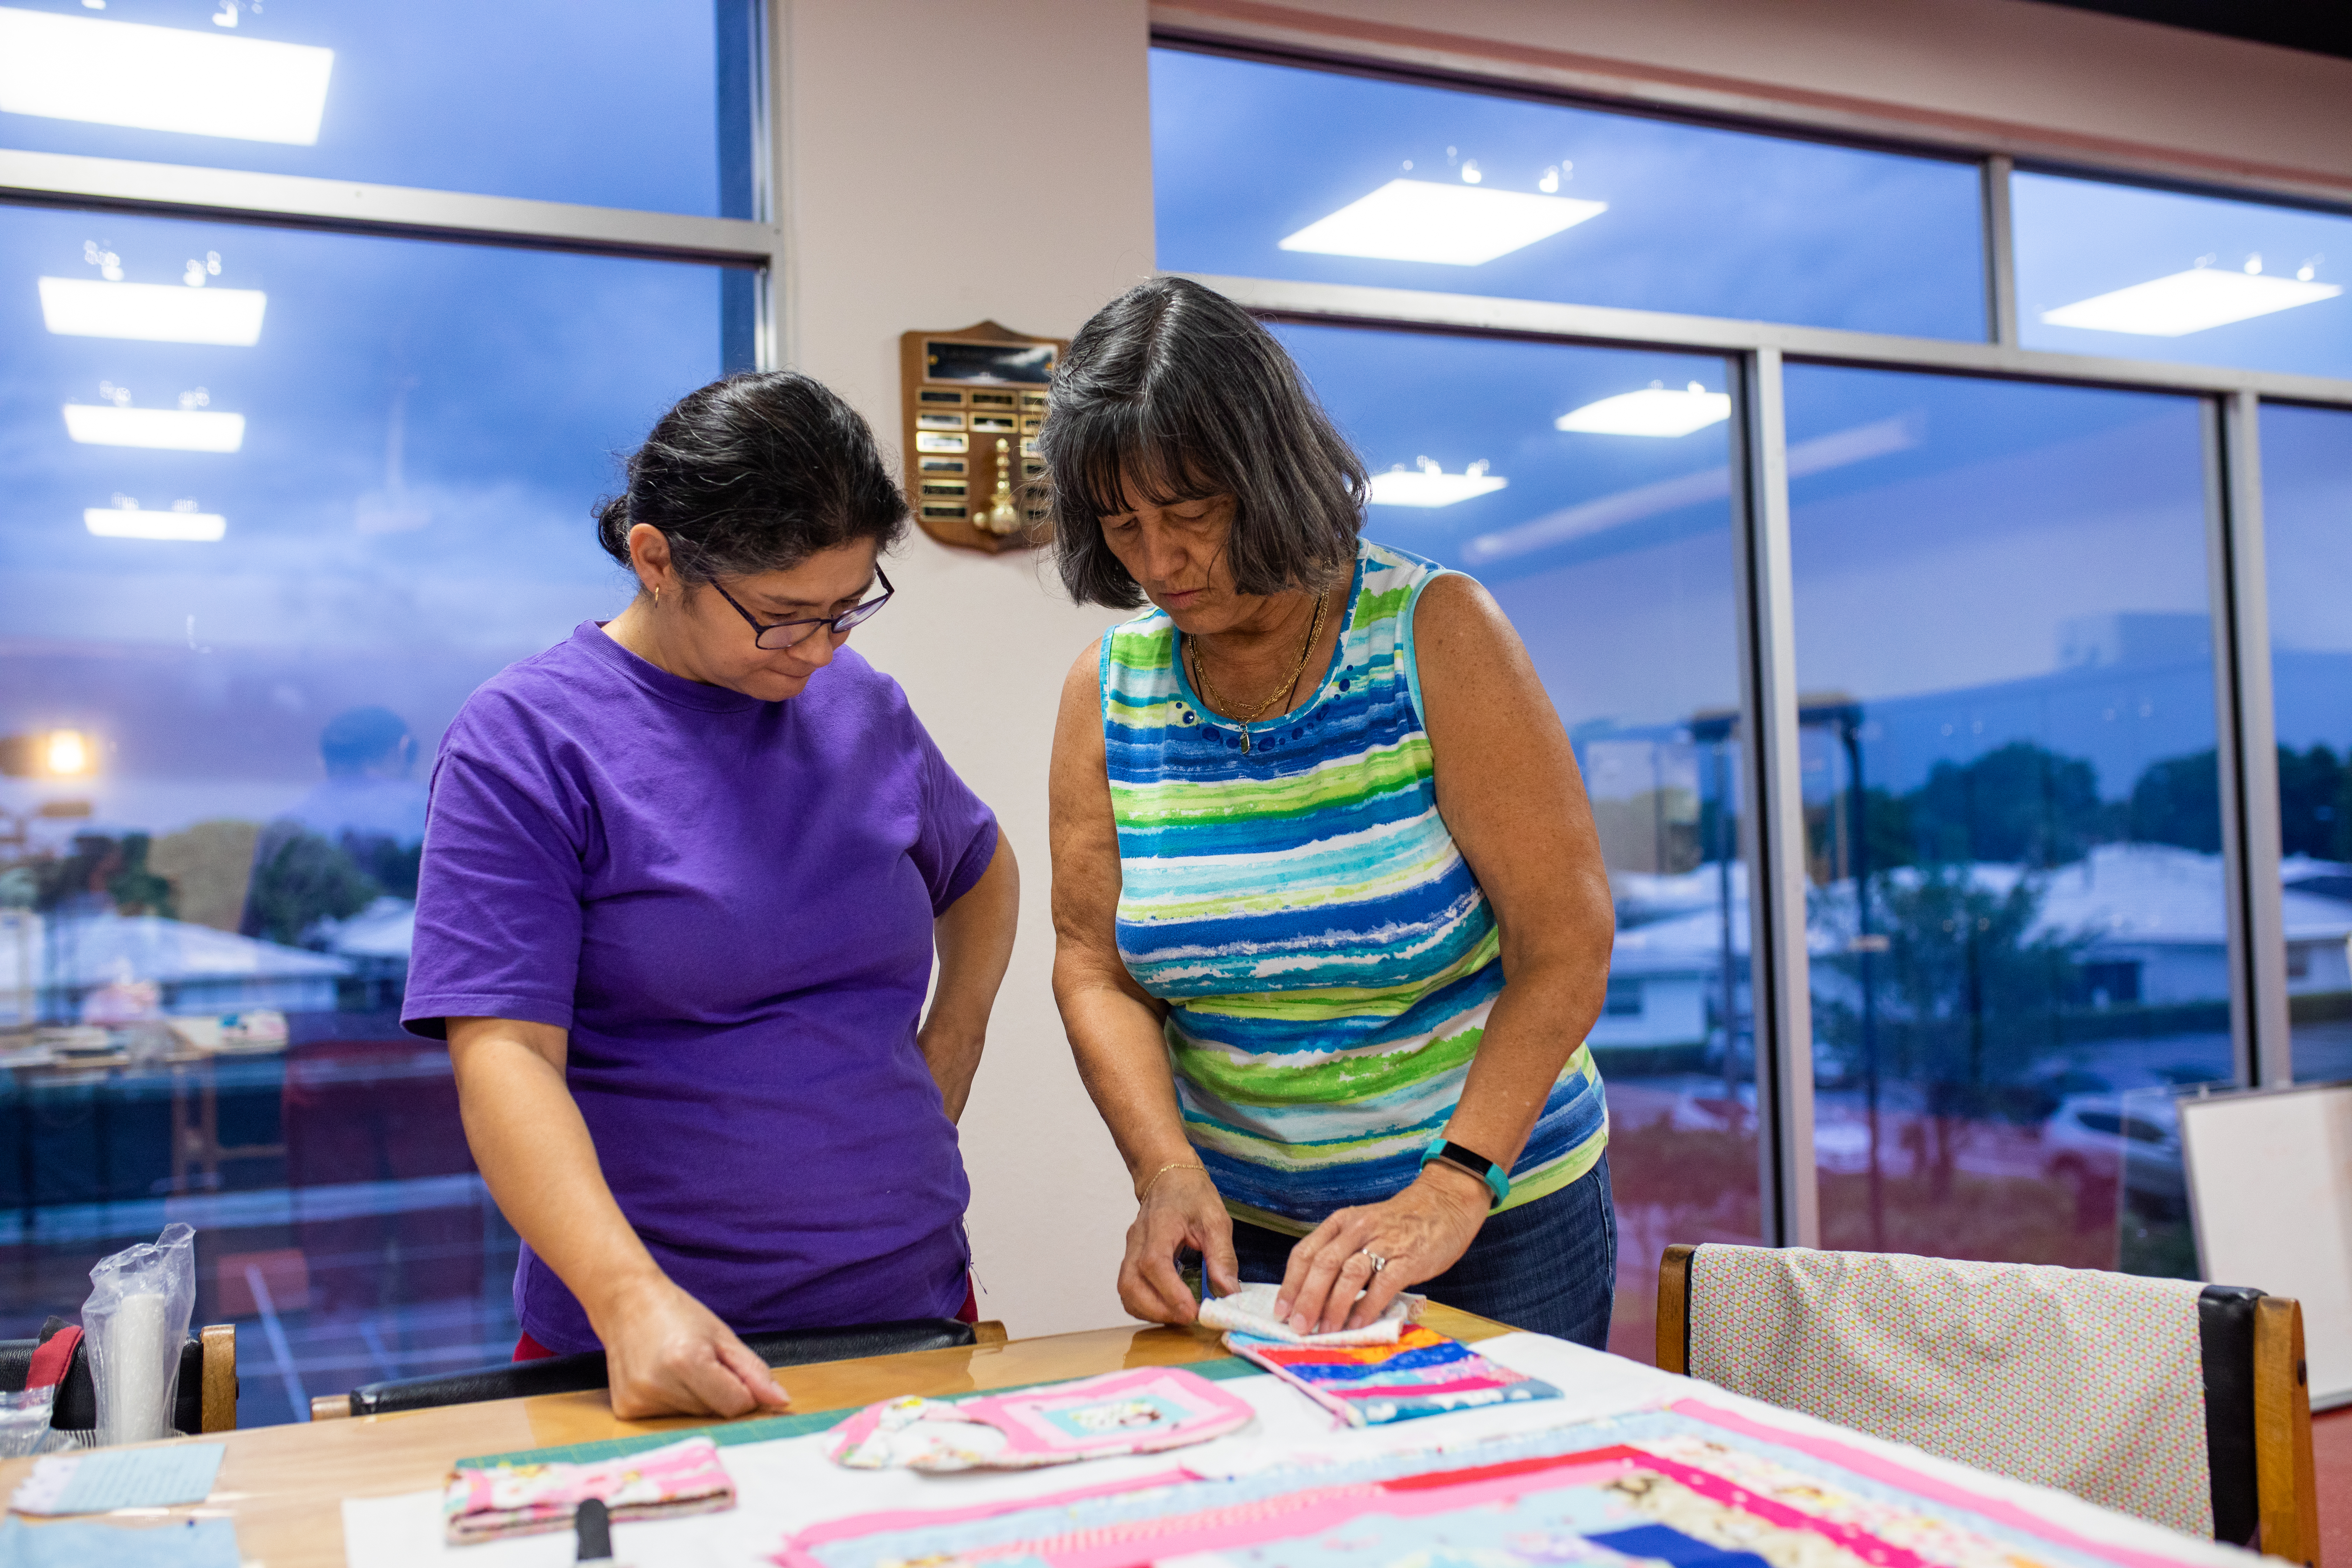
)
(1180, 1208)
(1421, 1232)
(668, 1354)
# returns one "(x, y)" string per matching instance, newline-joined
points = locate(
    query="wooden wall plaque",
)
(975, 399)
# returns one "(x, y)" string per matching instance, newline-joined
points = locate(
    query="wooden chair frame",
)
(219, 1341)
(2285, 1484)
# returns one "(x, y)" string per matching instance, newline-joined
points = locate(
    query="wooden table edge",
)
(284, 1486)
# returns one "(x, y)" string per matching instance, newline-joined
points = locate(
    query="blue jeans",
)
(1549, 1267)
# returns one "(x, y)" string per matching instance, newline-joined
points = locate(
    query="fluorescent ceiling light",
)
(152, 312)
(1652, 411)
(167, 429)
(131, 522)
(161, 78)
(1460, 226)
(2190, 302)
(1429, 486)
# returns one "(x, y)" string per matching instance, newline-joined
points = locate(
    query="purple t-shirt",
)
(728, 904)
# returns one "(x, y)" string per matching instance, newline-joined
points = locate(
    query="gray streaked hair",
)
(1173, 392)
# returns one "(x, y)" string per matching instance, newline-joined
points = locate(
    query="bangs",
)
(1116, 456)
(1173, 392)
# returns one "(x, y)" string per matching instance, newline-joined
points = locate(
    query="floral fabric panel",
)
(1091, 1418)
(524, 1500)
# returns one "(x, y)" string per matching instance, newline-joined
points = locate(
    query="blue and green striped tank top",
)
(1327, 955)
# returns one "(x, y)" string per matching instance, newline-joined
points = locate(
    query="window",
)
(1270, 171)
(278, 500)
(651, 107)
(2003, 830)
(2307, 535)
(2132, 273)
(1590, 490)
(2011, 798)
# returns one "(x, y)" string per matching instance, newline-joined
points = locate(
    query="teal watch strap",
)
(1498, 1180)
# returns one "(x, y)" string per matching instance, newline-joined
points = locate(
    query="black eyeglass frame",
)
(857, 615)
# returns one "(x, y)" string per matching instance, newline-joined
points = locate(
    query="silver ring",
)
(1379, 1262)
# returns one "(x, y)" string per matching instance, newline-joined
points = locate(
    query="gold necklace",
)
(1201, 676)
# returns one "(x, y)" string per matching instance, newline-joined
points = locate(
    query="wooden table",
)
(284, 1485)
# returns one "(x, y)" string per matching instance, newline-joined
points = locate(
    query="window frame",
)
(1773, 843)
(752, 248)
(344, 206)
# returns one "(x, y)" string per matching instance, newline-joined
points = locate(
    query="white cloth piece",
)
(1250, 1310)
(2086, 1381)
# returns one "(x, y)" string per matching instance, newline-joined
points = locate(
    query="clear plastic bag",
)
(135, 1323)
(24, 1420)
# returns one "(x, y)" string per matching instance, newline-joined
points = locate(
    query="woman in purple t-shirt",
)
(684, 876)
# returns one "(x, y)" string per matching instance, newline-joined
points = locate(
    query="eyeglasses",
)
(782, 635)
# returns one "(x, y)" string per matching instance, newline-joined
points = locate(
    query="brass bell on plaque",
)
(974, 401)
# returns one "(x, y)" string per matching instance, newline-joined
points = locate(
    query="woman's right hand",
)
(1180, 1208)
(668, 1354)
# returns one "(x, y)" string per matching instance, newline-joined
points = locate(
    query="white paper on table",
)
(787, 1485)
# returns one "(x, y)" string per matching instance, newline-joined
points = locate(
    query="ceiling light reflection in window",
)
(127, 519)
(2193, 302)
(161, 78)
(163, 429)
(1455, 225)
(1427, 484)
(1655, 410)
(152, 312)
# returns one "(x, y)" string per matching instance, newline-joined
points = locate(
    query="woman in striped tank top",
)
(1331, 916)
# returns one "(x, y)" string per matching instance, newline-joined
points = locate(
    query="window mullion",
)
(1773, 816)
(237, 196)
(2000, 255)
(2247, 761)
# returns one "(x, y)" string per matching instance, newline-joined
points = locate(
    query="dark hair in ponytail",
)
(756, 473)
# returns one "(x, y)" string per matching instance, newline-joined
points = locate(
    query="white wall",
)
(948, 162)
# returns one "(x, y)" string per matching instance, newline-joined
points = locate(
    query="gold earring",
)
(657, 598)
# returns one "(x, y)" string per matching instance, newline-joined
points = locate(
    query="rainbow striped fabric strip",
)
(1424, 1374)
(1290, 891)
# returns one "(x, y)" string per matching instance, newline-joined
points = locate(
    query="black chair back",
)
(2225, 1333)
(574, 1374)
(76, 1405)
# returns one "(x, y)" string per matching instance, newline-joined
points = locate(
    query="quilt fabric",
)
(1423, 1372)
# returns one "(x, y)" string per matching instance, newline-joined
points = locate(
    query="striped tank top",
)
(1326, 956)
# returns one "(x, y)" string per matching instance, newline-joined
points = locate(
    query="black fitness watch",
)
(1498, 1180)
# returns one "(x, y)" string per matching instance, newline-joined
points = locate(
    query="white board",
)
(2270, 1191)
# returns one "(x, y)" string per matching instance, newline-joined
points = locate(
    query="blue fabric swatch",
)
(109, 1478)
(1665, 1544)
(190, 1543)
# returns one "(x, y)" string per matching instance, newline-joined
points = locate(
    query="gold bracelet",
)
(1144, 1190)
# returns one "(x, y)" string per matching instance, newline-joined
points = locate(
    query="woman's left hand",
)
(1421, 1232)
